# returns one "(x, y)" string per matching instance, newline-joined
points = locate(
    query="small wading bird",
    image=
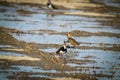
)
(50, 5)
(72, 42)
(62, 50)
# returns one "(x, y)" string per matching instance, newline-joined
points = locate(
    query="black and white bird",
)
(62, 50)
(50, 5)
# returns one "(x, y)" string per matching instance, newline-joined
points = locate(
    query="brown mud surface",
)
(46, 61)
(95, 26)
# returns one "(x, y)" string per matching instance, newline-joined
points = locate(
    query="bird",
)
(72, 42)
(50, 5)
(62, 50)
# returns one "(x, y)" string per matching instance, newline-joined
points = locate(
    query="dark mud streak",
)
(84, 33)
(76, 33)
(25, 12)
(10, 20)
(115, 22)
(5, 3)
(3, 10)
(80, 61)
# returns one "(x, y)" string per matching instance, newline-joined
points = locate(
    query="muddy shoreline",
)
(30, 34)
(53, 62)
(91, 8)
(114, 47)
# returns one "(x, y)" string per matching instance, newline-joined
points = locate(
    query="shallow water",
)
(104, 61)
(113, 3)
(11, 53)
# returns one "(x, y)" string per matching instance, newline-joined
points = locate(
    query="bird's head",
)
(68, 34)
(64, 44)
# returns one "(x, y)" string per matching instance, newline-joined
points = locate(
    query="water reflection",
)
(113, 3)
(105, 61)
(11, 53)
(89, 61)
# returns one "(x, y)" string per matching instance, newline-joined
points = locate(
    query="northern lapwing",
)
(50, 5)
(72, 41)
(62, 50)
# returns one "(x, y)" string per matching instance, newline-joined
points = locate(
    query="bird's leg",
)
(73, 50)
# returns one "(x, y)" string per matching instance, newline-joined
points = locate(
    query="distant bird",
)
(72, 41)
(50, 5)
(62, 50)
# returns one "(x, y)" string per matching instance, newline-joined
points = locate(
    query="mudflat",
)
(30, 34)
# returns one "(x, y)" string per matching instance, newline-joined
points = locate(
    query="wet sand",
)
(54, 63)
(96, 11)
(30, 34)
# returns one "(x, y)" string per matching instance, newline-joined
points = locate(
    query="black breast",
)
(64, 50)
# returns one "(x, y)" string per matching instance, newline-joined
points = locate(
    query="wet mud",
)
(30, 34)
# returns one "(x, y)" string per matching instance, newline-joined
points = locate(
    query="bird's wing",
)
(73, 41)
(59, 49)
